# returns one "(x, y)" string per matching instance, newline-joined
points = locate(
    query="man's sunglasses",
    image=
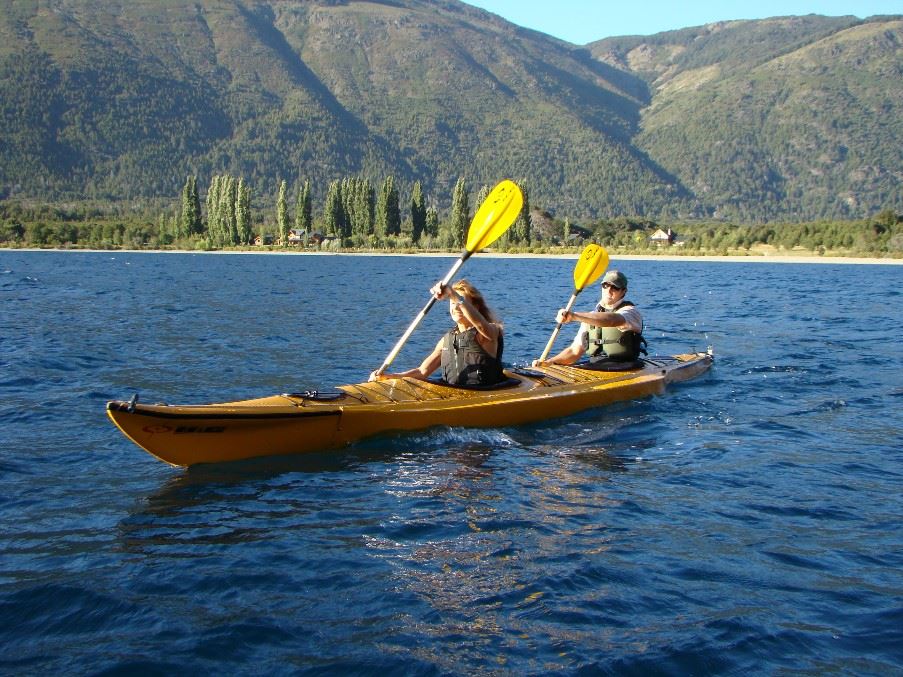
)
(609, 285)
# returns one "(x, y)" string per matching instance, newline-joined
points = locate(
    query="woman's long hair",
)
(464, 288)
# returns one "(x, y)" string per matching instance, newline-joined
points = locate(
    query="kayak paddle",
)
(498, 211)
(592, 263)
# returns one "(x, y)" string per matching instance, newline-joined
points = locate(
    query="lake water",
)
(750, 521)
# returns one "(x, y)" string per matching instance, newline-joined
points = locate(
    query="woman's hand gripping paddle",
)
(591, 264)
(498, 211)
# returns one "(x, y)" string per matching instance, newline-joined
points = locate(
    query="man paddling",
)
(611, 336)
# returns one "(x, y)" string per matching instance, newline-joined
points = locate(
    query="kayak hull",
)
(294, 423)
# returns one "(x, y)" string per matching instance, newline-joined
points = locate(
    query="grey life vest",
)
(611, 343)
(466, 363)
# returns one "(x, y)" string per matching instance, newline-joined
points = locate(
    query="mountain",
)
(792, 117)
(121, 100)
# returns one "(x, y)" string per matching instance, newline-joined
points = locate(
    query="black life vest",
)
(611, 343)
(466, 363)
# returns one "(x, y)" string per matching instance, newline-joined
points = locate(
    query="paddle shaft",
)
(567, 309)
(410, 330)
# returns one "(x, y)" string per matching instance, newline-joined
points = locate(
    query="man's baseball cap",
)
(615, 278)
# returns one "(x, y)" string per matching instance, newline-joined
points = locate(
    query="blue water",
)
(750, 521)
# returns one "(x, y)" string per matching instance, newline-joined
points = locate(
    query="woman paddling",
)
(470, 354)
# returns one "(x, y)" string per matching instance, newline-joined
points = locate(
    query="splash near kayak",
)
(297, 423)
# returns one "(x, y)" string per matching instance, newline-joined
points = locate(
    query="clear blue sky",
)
(583, 21)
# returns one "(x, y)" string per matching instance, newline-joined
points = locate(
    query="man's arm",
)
(595, 319)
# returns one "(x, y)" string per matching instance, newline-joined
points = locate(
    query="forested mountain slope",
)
(795, 117)
(122, 99)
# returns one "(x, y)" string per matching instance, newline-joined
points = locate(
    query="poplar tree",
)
(356, 193)
(282, 215)
(418, 212)
(460, 211)
(212, 204)
(306, 220)
(198, 223)
(388, 212)
(230, 203)
(332, 210)
(243, 212)
(191, 207)
(221, 215)
(393, 208)
(346, 193)
(379, 217)
(162, 235)
(302, 208)
(432, 221)
(363, 207)
(522, 229)
(482, 195)
(298, 206)
(184, 227)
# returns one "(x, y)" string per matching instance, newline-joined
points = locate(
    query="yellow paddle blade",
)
(591, 264)
(498, 211)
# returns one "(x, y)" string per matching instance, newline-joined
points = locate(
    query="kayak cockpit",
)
(509, 382)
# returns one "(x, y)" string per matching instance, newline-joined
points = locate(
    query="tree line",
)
(356, 213)
(880, 235)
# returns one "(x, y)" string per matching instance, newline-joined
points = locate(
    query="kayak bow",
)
(297, 423)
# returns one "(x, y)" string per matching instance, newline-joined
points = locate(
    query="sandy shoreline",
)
(722, 259)
(756, 258)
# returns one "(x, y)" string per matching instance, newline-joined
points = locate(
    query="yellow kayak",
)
(297, 423)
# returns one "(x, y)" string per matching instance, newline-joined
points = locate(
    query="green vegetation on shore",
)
(157, 226)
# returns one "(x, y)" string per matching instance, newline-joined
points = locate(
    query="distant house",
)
(261, 241)
(663, 238)
(575, 238)
(302, 237)
(577, 234)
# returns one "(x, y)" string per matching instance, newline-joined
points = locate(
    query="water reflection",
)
(504, 563)
(244, 501)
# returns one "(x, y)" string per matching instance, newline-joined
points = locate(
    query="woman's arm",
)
(427, 367)
(484, 327)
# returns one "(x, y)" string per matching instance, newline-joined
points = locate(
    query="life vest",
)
(611, 343)
(466, 363)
